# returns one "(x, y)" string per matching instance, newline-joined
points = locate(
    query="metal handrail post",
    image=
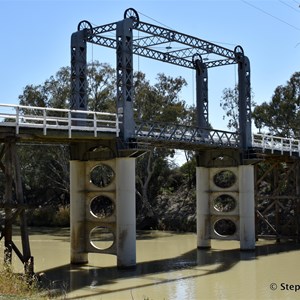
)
(44, 121)
(17, 119)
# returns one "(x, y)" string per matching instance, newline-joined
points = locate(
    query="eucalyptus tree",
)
(45, 169)
(229, 103)
(158, 103)
(281, 116)
(56, 91)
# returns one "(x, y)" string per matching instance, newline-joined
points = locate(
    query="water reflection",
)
(170, 267)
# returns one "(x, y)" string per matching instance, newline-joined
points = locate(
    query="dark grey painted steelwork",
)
(201, 92)
(188, 53)
(166, 38)
(185, 137)
(125, 78)
(244, 88)
(78, 70)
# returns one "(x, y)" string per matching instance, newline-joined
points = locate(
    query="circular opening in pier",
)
(224, 203)
(224, 179)
(102, 175)
(102, 207)
(224, 227)
(102, 238)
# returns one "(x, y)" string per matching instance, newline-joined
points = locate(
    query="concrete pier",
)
(120, 224)
(247, 207)
(126, 212)
(77, 212)
(240, 220)
(203, 210)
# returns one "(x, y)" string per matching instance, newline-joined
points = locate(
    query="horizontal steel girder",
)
(186, 134)
(185, 46)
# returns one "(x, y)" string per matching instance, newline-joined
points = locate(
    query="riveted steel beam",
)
(157, 43)
(184, 39)
(125, 79)
(244, 102)
(78, 70)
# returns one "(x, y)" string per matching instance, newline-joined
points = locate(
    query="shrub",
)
(49, 216)
(62, 217)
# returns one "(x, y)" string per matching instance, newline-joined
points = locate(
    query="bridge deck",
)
(45, 125)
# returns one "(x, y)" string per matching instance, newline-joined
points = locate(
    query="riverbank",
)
(168, 267)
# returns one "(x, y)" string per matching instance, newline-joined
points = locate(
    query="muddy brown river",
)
(169, 267)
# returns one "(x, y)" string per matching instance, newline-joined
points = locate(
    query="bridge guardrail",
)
(188, 134)
(275, 143)
(60, 119)
(45, 118)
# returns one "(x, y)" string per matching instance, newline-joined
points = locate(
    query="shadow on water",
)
(64, 232)
(76, 277)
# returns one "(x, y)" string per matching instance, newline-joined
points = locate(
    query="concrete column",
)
(203, 209)
(126, 215)
(77, 212)
(247, 207)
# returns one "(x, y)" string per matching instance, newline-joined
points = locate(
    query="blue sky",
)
(35, 40)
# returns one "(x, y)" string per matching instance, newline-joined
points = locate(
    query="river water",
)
(169, 266)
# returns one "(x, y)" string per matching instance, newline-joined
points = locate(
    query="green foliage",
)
(101, 87)
(45, 174)
(176, 210)
(229, 103)
(188, 171)
(160, 102)
(56, 91)
(41, 216)
(151, 170)
(49, 216)
(281, 116)
(62, 217)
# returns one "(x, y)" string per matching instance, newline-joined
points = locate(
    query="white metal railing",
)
(275, 143)
(19, 116)
(60, 119)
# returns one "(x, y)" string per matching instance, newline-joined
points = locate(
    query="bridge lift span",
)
(121, 190)
(175, 48)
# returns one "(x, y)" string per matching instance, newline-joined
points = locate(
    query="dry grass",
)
(16, 286)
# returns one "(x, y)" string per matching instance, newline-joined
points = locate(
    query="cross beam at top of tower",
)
(163, 44)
